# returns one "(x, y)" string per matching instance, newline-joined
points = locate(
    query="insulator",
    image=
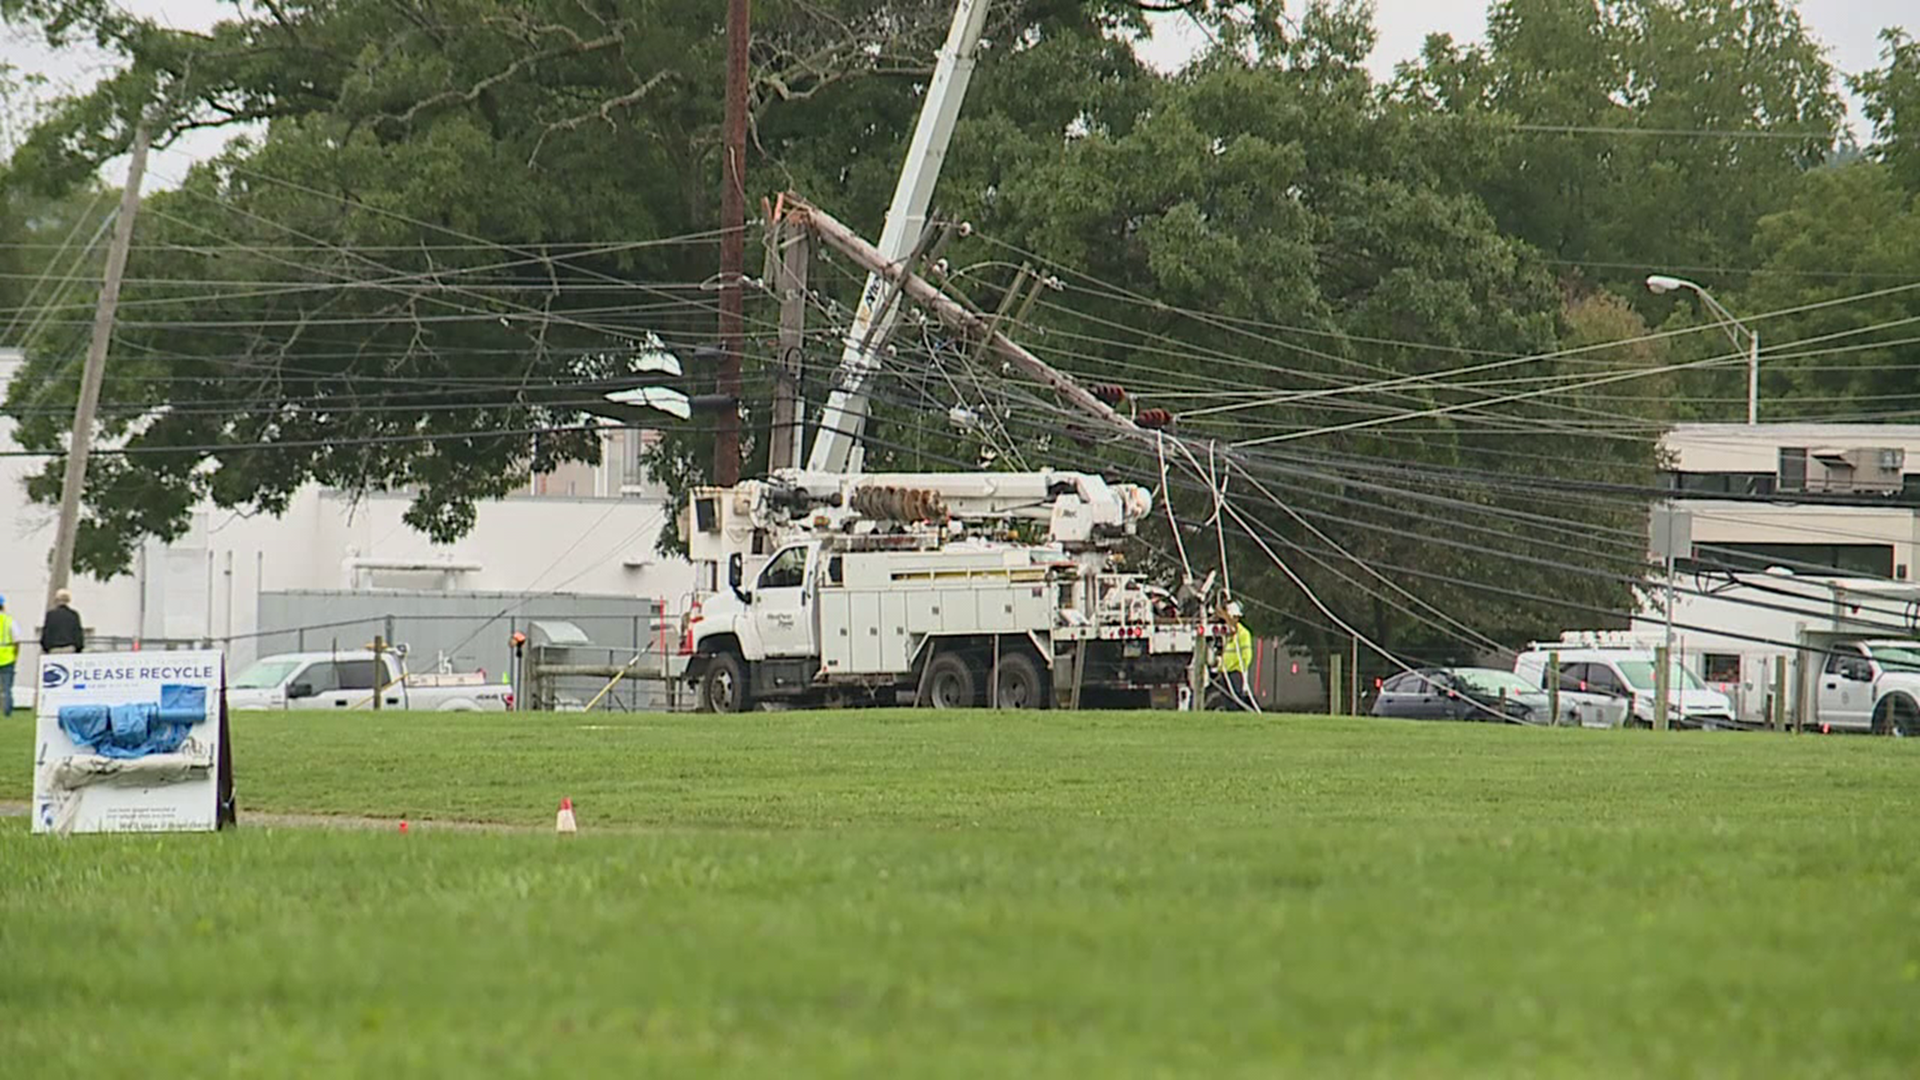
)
(1109, 393)
(1154, 419)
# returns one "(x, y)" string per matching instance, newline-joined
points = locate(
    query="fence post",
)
(1336, 688)
(1552, 677)
(1662, 685)
(1777, 716)
(379, 670)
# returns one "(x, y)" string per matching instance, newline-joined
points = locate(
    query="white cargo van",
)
(1614, 687)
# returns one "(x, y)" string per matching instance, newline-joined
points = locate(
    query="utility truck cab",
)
(920, 588)
(1870, 685)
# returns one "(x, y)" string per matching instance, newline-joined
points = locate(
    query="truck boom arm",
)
(843, 420)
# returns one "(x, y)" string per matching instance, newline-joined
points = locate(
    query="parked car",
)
(1615, 687)
(345, 680)
(1465, 693)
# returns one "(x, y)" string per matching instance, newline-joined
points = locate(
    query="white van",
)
(1615, 686)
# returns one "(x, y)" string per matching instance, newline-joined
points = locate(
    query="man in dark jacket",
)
(61, 632)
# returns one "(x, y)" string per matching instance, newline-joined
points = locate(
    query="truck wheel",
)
(1896, 716)
(1020, 685)
(950, 683)
(723, 689)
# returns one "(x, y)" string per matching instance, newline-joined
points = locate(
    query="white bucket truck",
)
(921, 588)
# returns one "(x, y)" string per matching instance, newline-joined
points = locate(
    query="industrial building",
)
(586, 531)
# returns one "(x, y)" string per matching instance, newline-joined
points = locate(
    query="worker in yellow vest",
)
(9, 652)
(1236, 658)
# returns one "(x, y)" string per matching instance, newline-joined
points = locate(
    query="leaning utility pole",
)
(864, 255)
(733, 220)
(82, 440)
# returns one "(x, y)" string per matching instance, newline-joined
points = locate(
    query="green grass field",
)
(910, 894)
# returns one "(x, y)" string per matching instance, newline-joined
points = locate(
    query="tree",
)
(406, 281)
(1849, 234)
(1891, 100)
(1640, 134)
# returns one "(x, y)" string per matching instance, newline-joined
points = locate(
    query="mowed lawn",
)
(974, 895)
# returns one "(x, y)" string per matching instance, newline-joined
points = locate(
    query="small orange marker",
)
(403, 827)
(563, 822)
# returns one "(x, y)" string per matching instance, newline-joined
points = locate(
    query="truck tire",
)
(1896, 715)
(1020, 684)
(723, 688)
(950, 683)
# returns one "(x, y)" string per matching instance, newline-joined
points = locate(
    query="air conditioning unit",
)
(1862, 470)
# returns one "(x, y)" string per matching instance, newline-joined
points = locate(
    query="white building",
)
(582, 529)
(1832, 499)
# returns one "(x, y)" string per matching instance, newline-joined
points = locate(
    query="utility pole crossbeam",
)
(733, 220)
(793, 249)
(843, 419)
(82, 441)
(949, 311)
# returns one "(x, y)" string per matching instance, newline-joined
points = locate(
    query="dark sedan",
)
(1461, 694)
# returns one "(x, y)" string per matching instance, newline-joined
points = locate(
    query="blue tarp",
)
(140, 728)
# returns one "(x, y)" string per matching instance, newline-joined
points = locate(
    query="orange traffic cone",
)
(563, 822)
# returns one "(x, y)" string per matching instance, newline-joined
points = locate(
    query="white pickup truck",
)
(1870, 686)
(345, 680)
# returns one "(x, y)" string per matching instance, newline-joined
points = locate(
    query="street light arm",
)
(1726, 317)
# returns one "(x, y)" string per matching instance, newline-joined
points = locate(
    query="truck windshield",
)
(264, 675)
(1896, 658)
(1639, 674)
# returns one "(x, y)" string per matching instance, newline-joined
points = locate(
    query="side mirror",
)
(736, 570)
(299, 690)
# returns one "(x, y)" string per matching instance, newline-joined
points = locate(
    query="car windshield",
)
(1639, 675)
(264, 675)
(1896, 657)
(1491, 682)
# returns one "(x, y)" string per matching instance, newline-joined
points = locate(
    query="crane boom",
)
(843, 420)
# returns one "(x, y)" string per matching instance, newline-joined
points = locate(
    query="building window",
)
(1843, 560)
(1721, 667)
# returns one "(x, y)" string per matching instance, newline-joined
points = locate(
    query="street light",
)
(1661, 283)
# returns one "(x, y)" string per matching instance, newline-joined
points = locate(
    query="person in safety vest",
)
(9, 652)
(1236, 657)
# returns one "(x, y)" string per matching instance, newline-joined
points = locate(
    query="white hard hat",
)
(1233, 608)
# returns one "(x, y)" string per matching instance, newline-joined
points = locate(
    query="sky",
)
(1849, 28)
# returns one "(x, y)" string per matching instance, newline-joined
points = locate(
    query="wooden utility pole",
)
(82, 441)
(788, 409)
(842, 239)
(733, 220)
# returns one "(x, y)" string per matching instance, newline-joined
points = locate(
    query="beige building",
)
(1818, 499)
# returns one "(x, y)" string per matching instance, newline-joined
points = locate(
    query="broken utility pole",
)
(733, 220)
(950, 311)
(81, 444)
